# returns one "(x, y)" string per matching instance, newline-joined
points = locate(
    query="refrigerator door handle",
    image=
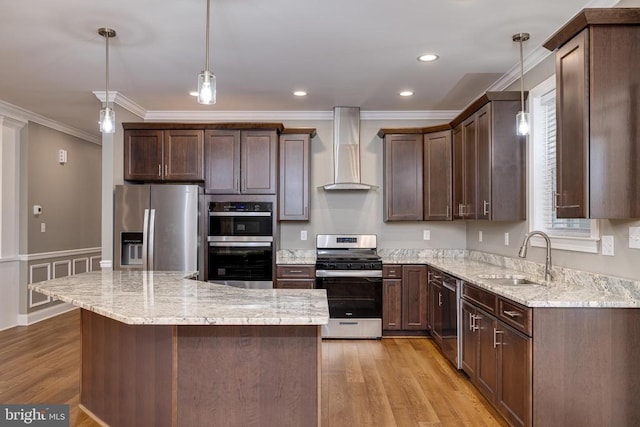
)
(145, 240)
(152, 233)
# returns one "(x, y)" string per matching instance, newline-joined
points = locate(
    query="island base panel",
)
(248, 375)
(127, 374)
(201, 375)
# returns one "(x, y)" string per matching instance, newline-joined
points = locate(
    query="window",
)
(570, 234)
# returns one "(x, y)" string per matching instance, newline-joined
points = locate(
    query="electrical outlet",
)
(426, 234)
(479, 236)
(43, 227)
(506, 239)
(607, 245)
(634, 237)
(303, 234)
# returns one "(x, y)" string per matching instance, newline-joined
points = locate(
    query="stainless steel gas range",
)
(350, 270)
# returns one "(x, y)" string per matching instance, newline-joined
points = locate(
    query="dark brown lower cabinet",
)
(498, 360)
(404, 298)
(392, 304)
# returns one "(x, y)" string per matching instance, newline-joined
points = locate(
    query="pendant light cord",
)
(107, 73)
(521, 78)
(206, 56)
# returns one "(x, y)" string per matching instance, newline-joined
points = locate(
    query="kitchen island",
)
(161, 349)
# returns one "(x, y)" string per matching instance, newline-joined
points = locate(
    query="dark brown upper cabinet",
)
(294, 174)
(598, 114)
(437, 176)
(403, 178)
(240, 161)
(163, 155)
(489, 160)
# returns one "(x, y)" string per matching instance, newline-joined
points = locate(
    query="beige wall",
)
(69, 194)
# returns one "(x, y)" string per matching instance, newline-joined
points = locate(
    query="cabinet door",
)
(222, 154)
(572, 119)
(458, 172)
(469, 341)
(483, 162)
(487, 368)
(514, 376)
(293, 195)
(435, 311)
(391, 304)
(258, 171)
(403, 178)
(437, 176)
(183, 155)
(469, 139)
(414, 297)
(143, 155)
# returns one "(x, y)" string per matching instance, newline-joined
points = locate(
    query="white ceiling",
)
(342, 52)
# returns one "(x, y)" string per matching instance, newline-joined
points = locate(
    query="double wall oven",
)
(350, 270)
(240, 244)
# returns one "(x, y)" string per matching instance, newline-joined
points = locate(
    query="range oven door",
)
(247, 264)
(353, 297)
(355, 304)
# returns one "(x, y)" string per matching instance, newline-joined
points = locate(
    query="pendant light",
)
(107, 115)
(206, 79)
(522, 118)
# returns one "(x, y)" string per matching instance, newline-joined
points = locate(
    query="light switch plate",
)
(426, 234)
(303, 234)
(634, 237)
(506, 239)
(479, 236)
(607, 245)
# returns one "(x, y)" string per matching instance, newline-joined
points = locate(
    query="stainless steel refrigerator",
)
(156, 227)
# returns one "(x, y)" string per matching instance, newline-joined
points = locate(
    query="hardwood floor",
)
(394, 382)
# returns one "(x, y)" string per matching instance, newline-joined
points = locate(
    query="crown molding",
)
(121, 100)
(409, 115)
(21, 114)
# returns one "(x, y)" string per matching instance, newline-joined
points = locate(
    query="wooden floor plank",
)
(393, 382)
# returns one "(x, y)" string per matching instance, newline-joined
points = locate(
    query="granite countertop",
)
(570, 288)
(555, 293)
(171, 298)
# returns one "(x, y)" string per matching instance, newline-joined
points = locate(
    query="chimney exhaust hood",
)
(346, 151)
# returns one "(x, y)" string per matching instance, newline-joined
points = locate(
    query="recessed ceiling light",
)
(428, 57)
(406, 93)
(300, 93)
(193, 93)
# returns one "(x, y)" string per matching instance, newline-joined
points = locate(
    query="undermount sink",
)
(508, 280)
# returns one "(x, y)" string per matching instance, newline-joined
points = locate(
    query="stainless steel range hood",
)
(346, 150)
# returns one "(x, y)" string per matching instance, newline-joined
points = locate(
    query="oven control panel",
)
(240, 207)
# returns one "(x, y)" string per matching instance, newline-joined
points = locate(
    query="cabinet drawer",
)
(484, 299)
(295, 271)
(514, 314)
(295, 284)
(392, 271)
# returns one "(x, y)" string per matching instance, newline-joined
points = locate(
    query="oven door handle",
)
(239, 213)
(349, 273)
(240, 244)
(240, 239)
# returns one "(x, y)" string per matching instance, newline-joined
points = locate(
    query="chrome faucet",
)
(548, 274)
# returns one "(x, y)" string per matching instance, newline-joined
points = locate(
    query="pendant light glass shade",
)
(107, 115)
(107, 120)
(522, 118)
(522, 123)
(206, 88)
(206, 79)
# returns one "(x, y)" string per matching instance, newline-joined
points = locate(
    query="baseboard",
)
(45, 313)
